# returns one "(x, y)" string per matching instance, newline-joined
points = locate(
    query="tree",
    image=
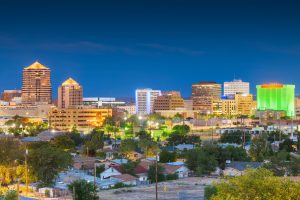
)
(182, 138)
(166, 156)
(109, 121)
(129, 168)
(281, 164)
(154, 117)
(235, 137)
(288, 145)
(64, 142)
(99, 170)
(233, 154)
(128, 146)
(46, 161)
(201, 162)
(152, 173)
(257, 184)
(149, 147)
(181, 129)
(209, 192)
(11, 195)
(94, 141)
(75, 136)
(178, 117)
(11, 150)
(82, 190)
(260, 148)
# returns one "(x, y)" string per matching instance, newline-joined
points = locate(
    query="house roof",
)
(185, 146)
(146, 164)
(116, 167)
(120, 161)
(139, 169)
(241, 166)
(125, 177)
(170, 169)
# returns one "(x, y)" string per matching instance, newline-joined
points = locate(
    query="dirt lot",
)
(188, 188)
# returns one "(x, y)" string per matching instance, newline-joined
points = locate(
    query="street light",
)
(26, 169)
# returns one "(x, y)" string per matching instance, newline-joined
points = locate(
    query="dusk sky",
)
(113, 47)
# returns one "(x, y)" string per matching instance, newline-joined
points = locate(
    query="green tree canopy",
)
(166, 156)
(128, 146)
(181, 129)
(257, 184)
(94, 141)
(46, 161)
(235, 137)
(64, 142)
(260, 148)
(83, 190)
(201, 162)
(152, 173)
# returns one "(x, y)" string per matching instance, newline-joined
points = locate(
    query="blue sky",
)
(113, 47)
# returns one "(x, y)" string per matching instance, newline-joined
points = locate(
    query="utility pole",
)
(74, 196)
(95, 170)
(26, 170)
(156, 195)
(18, 189)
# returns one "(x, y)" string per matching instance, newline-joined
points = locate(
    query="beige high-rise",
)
(168, 101)
(203, 95)
(36, 84)
(69, 94)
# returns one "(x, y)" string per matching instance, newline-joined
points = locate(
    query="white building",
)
(130, 109)
(99, 102)
(236, 86)
(144, 100)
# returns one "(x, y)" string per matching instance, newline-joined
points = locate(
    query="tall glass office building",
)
(276, 97)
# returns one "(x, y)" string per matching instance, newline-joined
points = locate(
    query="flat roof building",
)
(144, 100)
(168, 101)
(203, 95)
(236, 87)
(277, 97)
(84, 119)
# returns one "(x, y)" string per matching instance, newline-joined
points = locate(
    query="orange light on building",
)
(272, 85)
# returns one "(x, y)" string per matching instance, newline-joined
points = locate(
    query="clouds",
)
(92, 47)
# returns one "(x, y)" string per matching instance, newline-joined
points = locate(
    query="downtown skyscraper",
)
(69, 94)
(36, 85)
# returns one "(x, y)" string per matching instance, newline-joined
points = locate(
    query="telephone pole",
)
(26, 170)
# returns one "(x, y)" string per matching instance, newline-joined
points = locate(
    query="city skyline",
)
(164, 46)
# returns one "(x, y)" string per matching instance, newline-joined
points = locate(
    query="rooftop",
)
(125, 177)
(36, 65)
(70, 81)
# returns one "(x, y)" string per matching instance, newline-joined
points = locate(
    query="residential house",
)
(111, 171)
(126, 179)
(82, 162)
(181, 170)
(184, 147)
(134, 155)
(236, 168)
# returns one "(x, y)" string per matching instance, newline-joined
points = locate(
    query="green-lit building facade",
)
(276, 97)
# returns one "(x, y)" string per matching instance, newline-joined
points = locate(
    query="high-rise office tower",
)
(276, 97)
(69, 94)
(168, 101)
(236, 87)
(144, 100)
(203, 94)
(36, 84)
